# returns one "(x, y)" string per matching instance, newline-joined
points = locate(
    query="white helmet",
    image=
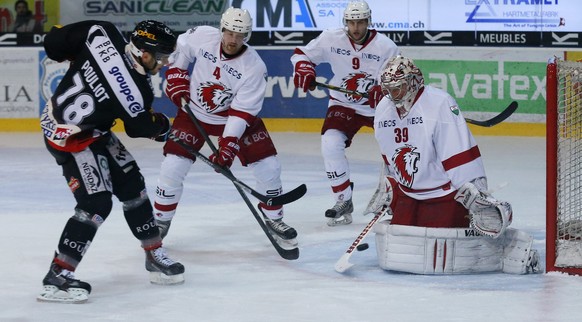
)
(398, 72)
(237, 20)
(357, 10)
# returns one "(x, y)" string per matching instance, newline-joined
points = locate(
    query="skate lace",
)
(67, 274)
(279, 225)
(341, 206)
(160, 256)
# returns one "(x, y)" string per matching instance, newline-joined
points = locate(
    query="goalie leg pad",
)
(518, 255)
(436, 251)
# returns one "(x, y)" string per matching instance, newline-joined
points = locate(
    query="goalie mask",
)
(400, 81)
(237, 20)
(155, 38)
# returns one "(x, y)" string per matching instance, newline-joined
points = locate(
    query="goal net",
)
(564, 166)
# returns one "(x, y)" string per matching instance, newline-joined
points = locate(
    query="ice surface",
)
(232, 271)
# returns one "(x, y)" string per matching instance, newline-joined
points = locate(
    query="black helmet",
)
(154, 37)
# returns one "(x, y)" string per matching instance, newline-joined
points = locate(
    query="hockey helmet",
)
(357, 10)
(401, 80)
(237, 20)
(155, 38)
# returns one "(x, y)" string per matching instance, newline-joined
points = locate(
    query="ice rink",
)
(232, 271)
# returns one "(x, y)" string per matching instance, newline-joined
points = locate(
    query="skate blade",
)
(341, 221)
(159, 278)
(53, 294)
(286, 244)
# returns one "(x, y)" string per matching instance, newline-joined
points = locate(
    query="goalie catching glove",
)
(228, 147)
(489, 216)
(178, 85)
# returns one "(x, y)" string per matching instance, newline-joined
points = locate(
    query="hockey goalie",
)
(444, 220)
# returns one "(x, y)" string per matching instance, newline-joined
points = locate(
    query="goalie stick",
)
(343, 264)
(286, 253)
(485, 123)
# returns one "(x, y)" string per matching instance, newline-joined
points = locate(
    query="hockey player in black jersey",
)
(108, 79)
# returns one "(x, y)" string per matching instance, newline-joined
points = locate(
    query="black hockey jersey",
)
(102, 84)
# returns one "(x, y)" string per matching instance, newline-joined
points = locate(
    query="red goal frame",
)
(552, 170)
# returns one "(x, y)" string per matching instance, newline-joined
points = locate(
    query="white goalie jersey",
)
(218, 82)
(355, 67)
(431, 149)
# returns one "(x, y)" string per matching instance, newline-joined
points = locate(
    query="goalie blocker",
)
(439, 251)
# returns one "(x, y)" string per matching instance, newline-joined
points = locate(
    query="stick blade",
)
(498, 118)
(343, 264)
(288, 197)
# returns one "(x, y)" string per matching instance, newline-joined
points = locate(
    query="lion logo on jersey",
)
(213, 96)
(357, 82)
(405, 159)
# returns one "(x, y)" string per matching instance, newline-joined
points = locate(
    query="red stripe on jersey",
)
(298, 51)
(461, 158)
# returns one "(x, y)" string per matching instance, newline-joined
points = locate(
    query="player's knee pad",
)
(131, 186)
(138, 213)
(430, 251)
(170, 185)
(267, 172)
(333, 144)
(77, 235)
(97, 204)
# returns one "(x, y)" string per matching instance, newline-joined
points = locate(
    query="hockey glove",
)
(489, 216)
(304, 77)
(375, 95)
(227, 149)
(164, 122)
(178, 85)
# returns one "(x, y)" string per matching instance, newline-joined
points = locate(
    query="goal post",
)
(564, 166)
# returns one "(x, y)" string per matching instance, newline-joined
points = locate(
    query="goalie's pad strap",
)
(429, 251)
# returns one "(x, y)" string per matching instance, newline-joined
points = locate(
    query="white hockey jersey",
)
(431, 148)
(354, 67)
(218, 83)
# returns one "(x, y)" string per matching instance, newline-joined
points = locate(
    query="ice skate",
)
(60, 286)
(282, 232)
(340, 213)
(163, 226)
(163, 270)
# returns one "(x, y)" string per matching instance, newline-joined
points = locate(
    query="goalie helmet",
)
(400, 81)
(357, 10)
(237, 20)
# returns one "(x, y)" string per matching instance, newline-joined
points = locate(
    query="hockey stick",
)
(486, 123)
(279, 200)
(343, 264)
(340, 89)
(496, 119)
(289, 254)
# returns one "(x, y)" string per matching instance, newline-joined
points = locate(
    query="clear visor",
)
(162, 59)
